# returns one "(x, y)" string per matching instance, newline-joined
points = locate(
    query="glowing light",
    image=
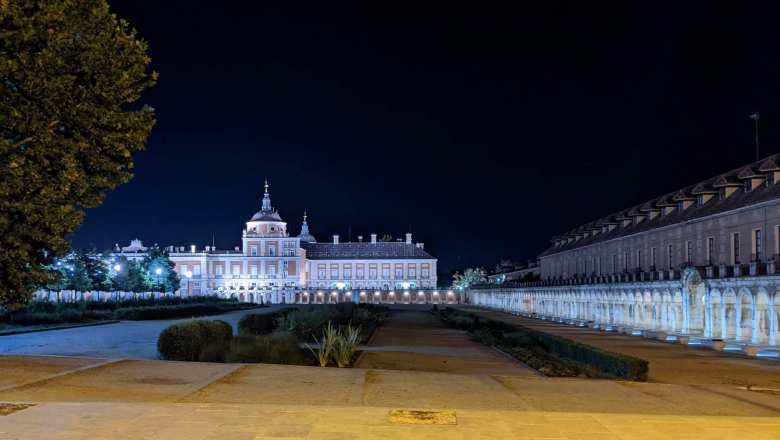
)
(362, 293)
(117, 267)
(406, 284)
(340, 285)
(188, 274)
(158, 271)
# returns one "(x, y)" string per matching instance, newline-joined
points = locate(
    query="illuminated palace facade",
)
(271, 266)
(698, 265)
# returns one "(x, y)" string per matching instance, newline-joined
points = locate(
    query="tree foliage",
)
(468, 277)
(157, 260)
(70, 73)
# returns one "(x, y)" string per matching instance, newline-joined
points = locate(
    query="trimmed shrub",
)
(484, 336)
(256, 324)
(274, 348)
(185, 341)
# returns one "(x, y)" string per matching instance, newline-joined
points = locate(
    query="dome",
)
(266, 216)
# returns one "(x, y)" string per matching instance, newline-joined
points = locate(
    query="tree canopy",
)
(468, 277)
(71, 73)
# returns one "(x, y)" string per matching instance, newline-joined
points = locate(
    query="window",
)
(334, 274)
(614, 263)
(669, 253)
(219, 269)
(735, 248)
(399, 273)
(412, 272)
(271, 251)
(748, 185)
(372, 273)
(689, 252)
(777, 241)
(639, 259)
(625, 261)
(253, 251)
(757, 250)
(424, 273)
(196, 270)
(236, 270)
(321, 274)
(770, 179)
(253, 270)
(710, 246)
(360, 273)
(652, 258)
(347, 274)
(386, 273)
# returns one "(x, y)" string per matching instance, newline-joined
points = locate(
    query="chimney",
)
(235, 248)
(360, 238)
(193, 248)
(420, 245)
(373, 238)
(335, 239)
(408, 238)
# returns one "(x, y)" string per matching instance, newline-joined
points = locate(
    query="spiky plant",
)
(324, 350)
(346, 345)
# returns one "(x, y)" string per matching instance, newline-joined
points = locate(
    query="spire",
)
(305, 235)
(266, 199)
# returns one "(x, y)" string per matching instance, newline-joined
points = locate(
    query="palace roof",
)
(641, 221)
(367, 251)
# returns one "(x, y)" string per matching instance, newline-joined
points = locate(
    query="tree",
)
(96, 268)
(469, 277)
(159, 273)
(70, 73)
(386, 237)
(129, 277)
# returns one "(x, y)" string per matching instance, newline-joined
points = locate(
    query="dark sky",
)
(484, 131)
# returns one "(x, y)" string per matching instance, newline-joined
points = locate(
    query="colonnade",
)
(740, 310)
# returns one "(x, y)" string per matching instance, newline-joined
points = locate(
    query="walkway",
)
(669, 363)
(89, 398)
(413, 339)
(127, 339)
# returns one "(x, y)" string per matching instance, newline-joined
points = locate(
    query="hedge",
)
(261, 323)
(514, 337)
(162, 312)
(616, 364)
(185, 341)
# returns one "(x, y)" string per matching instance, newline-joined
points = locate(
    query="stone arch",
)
(666, 310)
(716, 323)
(677, 309)
(745, 315)
(762, 325)
(729, 314)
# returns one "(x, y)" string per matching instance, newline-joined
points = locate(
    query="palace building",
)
(698, 265)
(273, 266)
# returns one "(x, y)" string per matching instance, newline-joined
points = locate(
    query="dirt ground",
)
(413, 339)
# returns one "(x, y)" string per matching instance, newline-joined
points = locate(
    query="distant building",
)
(698, 266)
(513, 273)
(273, 266)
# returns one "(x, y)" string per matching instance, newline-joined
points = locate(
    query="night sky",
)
(484, 132)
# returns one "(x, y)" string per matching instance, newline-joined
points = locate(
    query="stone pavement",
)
(669, 363)
(491, 397)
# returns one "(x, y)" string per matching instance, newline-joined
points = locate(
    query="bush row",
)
(188, 340)
(550, 354)
(55, 313)
(268, 337)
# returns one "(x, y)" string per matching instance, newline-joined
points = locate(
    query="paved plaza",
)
(126, 339)
(134, 398)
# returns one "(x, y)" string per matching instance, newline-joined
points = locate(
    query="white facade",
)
(270, 265)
